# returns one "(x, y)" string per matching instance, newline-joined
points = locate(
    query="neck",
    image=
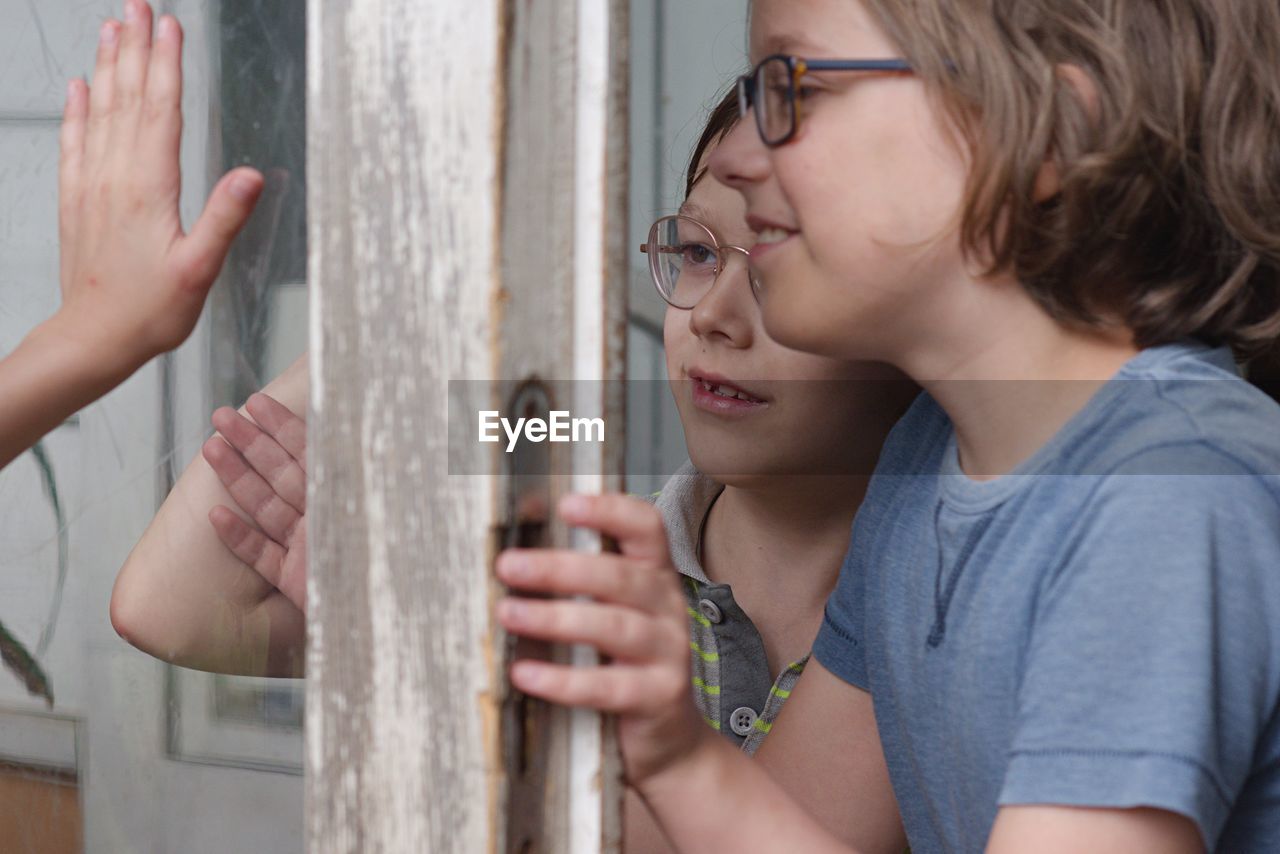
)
(784, 539)
(1010, 390)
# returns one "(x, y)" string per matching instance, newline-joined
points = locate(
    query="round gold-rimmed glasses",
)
(685, 259)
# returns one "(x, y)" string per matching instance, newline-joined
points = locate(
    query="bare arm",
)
(823, 752)
(182, 596)
(50, 376)
(641, 832)
(133, 283)
(827, 714)
(1067, 830)
(718, 799)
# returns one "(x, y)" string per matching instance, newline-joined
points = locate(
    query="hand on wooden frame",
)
(636, 617)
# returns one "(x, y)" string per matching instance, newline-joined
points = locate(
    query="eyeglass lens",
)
(774, 100)
(684, 260)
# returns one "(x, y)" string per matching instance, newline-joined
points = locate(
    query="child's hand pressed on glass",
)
(133, 283)
(636, 617)
(263, 466)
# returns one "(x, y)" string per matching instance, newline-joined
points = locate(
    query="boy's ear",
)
(1048, 181)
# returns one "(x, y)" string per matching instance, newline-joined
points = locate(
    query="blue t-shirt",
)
(1099, 628)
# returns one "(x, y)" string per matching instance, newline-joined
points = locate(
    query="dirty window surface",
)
(102, 747)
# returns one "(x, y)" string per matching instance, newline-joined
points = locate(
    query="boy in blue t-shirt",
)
(1058, 625)
(1097, 627)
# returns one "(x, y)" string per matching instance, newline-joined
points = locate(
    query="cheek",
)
(675, 340)
(880, 172)
(808, 309)
(930, 173)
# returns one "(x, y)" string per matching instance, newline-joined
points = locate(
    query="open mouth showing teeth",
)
(773, 235)
(728, 391)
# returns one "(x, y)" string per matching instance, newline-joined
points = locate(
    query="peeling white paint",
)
(586, 805)
(413, 157)
(315, 352)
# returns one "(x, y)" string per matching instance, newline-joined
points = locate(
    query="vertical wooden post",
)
(466, 175)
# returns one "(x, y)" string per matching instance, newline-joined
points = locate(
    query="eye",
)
(806, 88)
(777, 89)
(697, 254)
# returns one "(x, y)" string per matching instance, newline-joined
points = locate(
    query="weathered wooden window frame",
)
(467, 178)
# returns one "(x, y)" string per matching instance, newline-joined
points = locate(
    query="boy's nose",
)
(740, 160)
(724, 312)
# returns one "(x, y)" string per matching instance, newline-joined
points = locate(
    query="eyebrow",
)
(788, 45)
(694, 210)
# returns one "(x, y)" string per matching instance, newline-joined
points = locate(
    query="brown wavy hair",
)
(1167, 218)
(722, 119)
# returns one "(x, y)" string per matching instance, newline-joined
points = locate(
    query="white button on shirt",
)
(743, 720)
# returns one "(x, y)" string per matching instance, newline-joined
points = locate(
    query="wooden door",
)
(467, 181)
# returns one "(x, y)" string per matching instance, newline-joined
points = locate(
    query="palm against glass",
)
(263, 466)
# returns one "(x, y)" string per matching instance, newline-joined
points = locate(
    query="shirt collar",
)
(684, 503)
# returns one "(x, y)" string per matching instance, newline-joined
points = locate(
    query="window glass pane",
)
(103, 747)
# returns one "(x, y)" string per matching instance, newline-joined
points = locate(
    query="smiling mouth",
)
(770, 236)
(726, 391)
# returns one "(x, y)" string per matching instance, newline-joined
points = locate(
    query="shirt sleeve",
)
(839, 645)
(1149, 672)
(913, 446)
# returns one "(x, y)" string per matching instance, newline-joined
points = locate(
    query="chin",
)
(790, 326)
(731, 469)
(797, 331)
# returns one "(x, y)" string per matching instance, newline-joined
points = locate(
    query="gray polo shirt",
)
(732, 685)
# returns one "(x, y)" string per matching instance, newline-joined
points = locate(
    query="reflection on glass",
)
(258, 328)
(102, 748)
(262, 96)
